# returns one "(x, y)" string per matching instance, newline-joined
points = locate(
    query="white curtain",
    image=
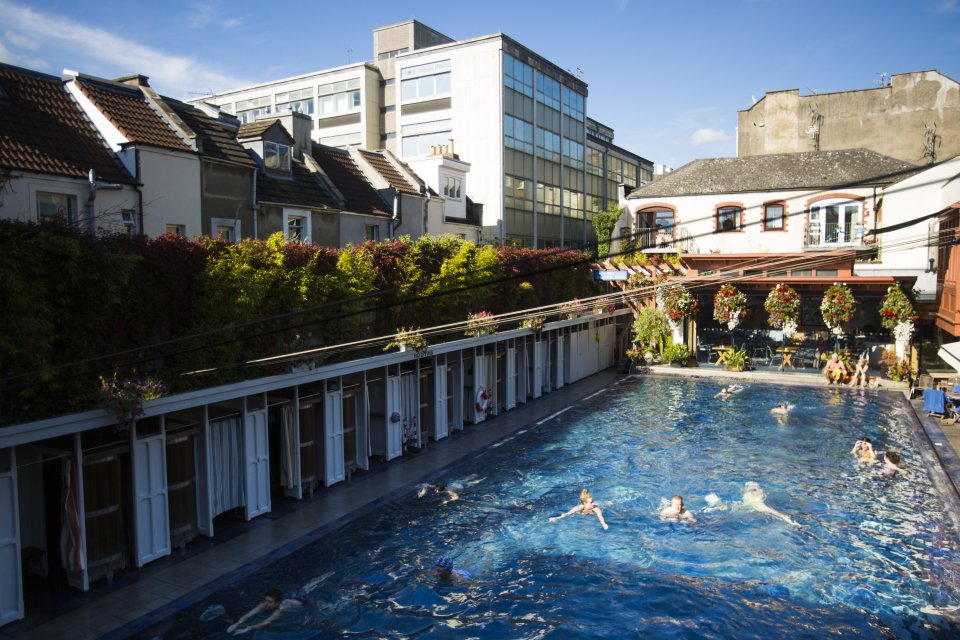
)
(226, 454)
(288, 446)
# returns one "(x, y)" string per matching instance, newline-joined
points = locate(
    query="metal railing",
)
(833, 234)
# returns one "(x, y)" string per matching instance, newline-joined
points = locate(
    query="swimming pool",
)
(871, 557)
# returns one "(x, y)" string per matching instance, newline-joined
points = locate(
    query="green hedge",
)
(172, 307)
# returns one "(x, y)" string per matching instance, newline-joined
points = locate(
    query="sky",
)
(669, 77)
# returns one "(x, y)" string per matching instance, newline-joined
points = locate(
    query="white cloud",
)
(18, 59)
(945, 6)
(707, 135)
(203, 14)
(20, 41)
(171, 74)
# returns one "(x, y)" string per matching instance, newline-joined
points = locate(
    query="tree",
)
(604, 222)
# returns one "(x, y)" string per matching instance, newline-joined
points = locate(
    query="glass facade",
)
(544, 128)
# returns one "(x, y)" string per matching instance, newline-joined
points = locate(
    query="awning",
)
(950, 353)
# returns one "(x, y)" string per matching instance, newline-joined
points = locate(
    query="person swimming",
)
(728, 391)
(273, 604)
(676, 511)
(754, 498)
(446, 573)
(437, 488)
(586, 507)
(782, 409)
(891, 464)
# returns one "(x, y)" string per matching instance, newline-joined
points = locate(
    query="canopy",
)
(950, 353)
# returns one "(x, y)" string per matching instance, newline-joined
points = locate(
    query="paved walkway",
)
(173, 578)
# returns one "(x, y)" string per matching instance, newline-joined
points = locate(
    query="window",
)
(130, 223)
(296, 226)
(339, 97)
(373, 233)
(387, 55)
(728, 219)
(176, 229)
(225, 229)
(418, 138)
(300, 101)
(517, 134)
(276, 156)
(425, 81)
(773, 218)
(451, 187)
(251, 110)
(344, 140)
(835, 222)
(56, 206)
(517, 75)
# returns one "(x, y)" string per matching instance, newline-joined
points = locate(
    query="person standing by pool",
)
(676, 511)
(586, 507)
(273, 603)
(835, 370)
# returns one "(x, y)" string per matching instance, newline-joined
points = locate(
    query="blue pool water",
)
(872, 557)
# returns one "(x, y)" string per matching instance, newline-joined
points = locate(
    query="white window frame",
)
(130, 223)
(452, 187)
(304, 216)
(70, 216)
(279, 151)
(226, 223)
(817, 218)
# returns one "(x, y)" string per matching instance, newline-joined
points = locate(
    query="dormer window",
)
(451, 187)
(276, 156)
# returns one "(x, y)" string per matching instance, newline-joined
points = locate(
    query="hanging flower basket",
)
(124, 397)
(481, 323)
(729, 306)
(408, 339)
(838, 307)
(896, 308)
(676, 301)
(783, 308)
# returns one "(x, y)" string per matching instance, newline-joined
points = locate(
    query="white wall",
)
(19, 202)
(924, 193)
(696, 215)
(171, 190)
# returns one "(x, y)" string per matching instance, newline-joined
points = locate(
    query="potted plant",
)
(481, 323)
(124, 397)
(650, 329)
(408, 339)
(572, 309)
(783, 309)
(737, 359)
(900, 371)
(535, 324)
(838, 307)
(898, 315)
(729, 306)
(676, 354)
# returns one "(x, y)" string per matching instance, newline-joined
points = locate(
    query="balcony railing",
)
(660, 238)
(834, 234)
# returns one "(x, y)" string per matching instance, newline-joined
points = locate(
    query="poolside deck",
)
(107, 608)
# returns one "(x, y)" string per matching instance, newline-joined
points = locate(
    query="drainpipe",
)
(395, 220)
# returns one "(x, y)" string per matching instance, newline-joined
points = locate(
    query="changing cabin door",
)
(257, 464)
(511, 399)
(152, 525)
(394, 409)
(558, 370)
(479, 390)
(333, 460)
(11, 591)
(440, 418)
(523, 374)
(537, 368)
(363, 427)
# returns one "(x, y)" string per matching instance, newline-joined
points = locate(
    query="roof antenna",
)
(884, 79)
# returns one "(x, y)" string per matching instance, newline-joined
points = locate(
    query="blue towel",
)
(933, 400)
(956, 388)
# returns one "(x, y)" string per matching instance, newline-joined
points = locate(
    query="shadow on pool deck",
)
(107, 609)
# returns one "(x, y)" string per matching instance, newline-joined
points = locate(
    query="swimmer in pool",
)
(676, 511)
(863, 449)
(781, 409)
(726, 392)
(273, 604)
(753, 498)
(586, 507)
(437, 488)
(891, 464)
(445, 572)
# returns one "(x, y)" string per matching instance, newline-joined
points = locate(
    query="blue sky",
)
(669, 77)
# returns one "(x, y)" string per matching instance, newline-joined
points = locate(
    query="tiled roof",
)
(779, 172)
(303, 190)
(43, 130)
(359, 194)
(214, 139)
(128, 110)
(389, 172)
(257, 129)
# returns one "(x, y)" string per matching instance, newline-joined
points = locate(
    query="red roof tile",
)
(127, 108)
(390, 173)
(43, 130)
